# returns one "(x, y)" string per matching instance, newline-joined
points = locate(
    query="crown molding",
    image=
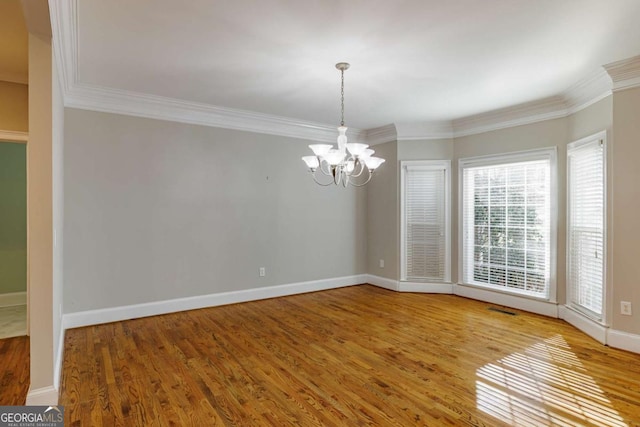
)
(531, 112)
(425, 130)
(588, 91)
(625, 74)
(95, 98)
(380, 135)
(64, 28)
(21, 78)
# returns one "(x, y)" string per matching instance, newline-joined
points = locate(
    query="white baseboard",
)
(590, 327)
(544, 308)
(115, 314)
(57, 367)
(623, 340)
(14, 298)
(42, 396)
(427, 288)
(382, 282)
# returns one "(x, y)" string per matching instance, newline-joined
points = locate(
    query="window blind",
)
(506, 226)
(425, 223)
(585, 263)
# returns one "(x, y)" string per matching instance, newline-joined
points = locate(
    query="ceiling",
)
(14, 54)
(412, 60)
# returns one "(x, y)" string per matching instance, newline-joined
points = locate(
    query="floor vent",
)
(499, 310)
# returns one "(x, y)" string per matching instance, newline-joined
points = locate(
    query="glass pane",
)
(515, 216)
(515, 195)
(516, 258)
(498, 196)
(497, 237)
(497, 216)
(481, 215)
(515, 238)
(482, 235)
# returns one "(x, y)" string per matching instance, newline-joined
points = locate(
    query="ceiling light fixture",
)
(346, 163)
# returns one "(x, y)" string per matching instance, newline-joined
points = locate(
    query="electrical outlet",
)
(381, 263)
(263, 272)
(625, 308)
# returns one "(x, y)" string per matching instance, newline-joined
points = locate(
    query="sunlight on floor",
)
(546, 384)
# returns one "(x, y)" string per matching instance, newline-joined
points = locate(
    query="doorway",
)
(13, 239)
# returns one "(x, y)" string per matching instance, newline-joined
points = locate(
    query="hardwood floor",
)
(352, 356)
(14, 370)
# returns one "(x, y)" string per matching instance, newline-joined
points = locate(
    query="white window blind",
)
(425, 210)
(585, 246)
(506, 216)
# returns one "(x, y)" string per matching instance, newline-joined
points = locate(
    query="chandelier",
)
(349, 163)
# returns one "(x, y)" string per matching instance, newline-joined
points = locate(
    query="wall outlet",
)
(381, 263)
(625, 308)
(263, 272)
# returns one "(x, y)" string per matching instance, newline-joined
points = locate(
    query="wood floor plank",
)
(14, 370)
(353, 356)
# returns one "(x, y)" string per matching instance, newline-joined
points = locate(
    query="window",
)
(425, 221)
(585, 225)
(508, 229)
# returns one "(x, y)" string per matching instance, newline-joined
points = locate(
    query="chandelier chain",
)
(342, 98)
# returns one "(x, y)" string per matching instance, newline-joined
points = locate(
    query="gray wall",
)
(625, 174)
(13, 217)
(383, 228)
(156, 210)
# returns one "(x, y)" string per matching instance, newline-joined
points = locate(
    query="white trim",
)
(588, 91)
(424, 130)
(115, 314)
(602, 135)
(381, 134)
(432, 165)
(594, 329)
(57, 367)
(532, 305)
(13, 136)
(531, 112)
(426, 288)
(42, 396)
(95, 98)
(623, 340)
(625, 74)
(382, 282)
(14, 298)
(403, 286)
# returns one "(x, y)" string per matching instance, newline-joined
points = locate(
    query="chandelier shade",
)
(344, 164)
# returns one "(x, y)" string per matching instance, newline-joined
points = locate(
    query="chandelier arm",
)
(364, 183)
(360, 171)
(313, 175)
(328, 171)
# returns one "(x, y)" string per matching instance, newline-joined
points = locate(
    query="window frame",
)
(549, 154)
(444, 165)
(599, 318)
